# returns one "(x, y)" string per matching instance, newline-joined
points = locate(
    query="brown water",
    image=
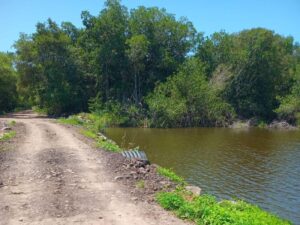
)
(258, 165)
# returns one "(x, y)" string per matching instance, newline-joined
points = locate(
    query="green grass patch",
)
(170, 174)
(12, 123)
(140, 184)
(39, 111)
(89, 134)
(91, 125)
(108, 145)
(205, 210)
(72, 120)
(7, 136)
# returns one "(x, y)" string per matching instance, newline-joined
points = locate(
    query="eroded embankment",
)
(143, 180)
(52, 176)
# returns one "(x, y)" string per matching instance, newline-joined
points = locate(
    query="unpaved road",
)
(52, 177)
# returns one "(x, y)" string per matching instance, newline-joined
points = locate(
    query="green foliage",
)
(131, 66)
(49, 75)
(205, 209)
(7, 136)
(186, 99)
(12, 123)
(108, 145)
(72, 120)
(171, 175)
(289, 108)
(262, 69)
(92, 125)
(89, 134)
(8, 81)
(170, 200)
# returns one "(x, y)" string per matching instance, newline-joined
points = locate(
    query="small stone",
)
(121, 177)
(16, 192)
(194, 189)
(142, 170)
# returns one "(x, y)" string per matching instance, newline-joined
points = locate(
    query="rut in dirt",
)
(51, 177)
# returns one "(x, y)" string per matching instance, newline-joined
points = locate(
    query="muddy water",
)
(258, 165)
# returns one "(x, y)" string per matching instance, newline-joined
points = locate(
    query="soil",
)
(50, 174)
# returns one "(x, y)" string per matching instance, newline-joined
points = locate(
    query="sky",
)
(208, 16)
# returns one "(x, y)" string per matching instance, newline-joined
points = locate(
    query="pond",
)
(257, 165)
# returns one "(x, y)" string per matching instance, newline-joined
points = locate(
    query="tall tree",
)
(263, 67)
(8, 79)
(137, 54)
(170, 41)
(48, 70)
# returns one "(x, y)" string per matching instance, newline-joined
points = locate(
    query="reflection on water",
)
(257, 165)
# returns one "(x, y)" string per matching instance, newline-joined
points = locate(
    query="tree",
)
(104, 43)
(8, 80)
(264, 65)
(170, 41)
(217, 49)
(48, 70)
(186, 99)
(137, 54)
(289, 108)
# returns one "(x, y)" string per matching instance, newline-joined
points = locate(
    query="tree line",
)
(144, 64)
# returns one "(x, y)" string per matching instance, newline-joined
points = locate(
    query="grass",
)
(91, 126)
(171, 175)
(140, 184)
(72, 120)
(205, 210)
(7, 136)
(12, 123)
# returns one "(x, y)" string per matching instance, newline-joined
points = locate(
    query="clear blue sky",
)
(208, 16)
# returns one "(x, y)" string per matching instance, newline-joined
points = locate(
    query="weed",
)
(140, 184)
(72, 120)
(12, 123)
(89, 133)
(170, 174)
(108, 145)
(7, 136)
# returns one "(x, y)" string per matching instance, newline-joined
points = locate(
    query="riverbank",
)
(199, 209)
(51, 176)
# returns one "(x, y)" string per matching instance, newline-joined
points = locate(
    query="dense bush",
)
(8, 86)
(187, 99)
(289, 108)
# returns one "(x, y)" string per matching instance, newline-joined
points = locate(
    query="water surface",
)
(258, 165)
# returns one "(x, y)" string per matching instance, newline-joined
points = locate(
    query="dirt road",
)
(52, 177)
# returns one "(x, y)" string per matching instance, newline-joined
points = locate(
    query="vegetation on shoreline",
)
(144, 67)
(203, 209)
(92, 126)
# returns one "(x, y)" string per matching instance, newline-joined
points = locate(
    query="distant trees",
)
(145, 63)
(260, 65)
(262, 73)
(8, 88)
